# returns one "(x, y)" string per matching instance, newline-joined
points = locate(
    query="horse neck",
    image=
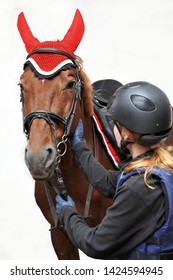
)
(89, 134)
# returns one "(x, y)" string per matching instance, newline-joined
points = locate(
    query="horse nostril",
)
(51, 154)
(49, 150)
(26, 156)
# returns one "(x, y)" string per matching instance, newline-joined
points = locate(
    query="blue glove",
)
(78, 134)
(60, 203)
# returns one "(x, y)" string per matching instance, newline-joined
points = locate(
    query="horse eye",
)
(70, 84)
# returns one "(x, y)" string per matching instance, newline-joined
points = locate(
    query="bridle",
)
(50, 117)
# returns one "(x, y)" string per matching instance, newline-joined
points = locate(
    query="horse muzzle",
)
(41, 163)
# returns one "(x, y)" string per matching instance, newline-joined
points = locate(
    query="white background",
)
(126, 40)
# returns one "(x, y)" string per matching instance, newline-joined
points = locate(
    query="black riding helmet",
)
(142, 108)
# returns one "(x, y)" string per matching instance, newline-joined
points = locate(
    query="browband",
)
(54, 51)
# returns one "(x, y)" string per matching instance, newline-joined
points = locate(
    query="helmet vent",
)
(142, 103)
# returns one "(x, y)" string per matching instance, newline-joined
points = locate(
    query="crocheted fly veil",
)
(48, 58)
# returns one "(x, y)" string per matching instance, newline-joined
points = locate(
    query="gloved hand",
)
(78, 134)
(60, 203)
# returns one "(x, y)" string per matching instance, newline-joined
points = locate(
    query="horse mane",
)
(87, 89)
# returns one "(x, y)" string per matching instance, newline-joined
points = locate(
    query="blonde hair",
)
(162, 157)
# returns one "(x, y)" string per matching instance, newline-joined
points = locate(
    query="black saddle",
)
(102, 93)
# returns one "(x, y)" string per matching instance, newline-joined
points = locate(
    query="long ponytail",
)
(162, 157)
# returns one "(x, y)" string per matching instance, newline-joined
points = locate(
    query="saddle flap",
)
(103, 91)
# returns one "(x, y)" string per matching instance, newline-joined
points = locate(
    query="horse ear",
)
(29, 40)
(75, 32)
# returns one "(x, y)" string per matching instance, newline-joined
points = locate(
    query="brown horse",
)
(53, 102)
(52, 107)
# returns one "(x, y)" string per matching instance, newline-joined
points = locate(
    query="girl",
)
(139, 224)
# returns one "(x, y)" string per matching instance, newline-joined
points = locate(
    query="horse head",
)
(53, 86)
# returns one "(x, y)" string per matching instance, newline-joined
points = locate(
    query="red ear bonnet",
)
(75, 32)
(48, 64)
(29, 40)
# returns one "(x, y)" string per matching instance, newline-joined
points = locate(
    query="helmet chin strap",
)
(124, 144)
